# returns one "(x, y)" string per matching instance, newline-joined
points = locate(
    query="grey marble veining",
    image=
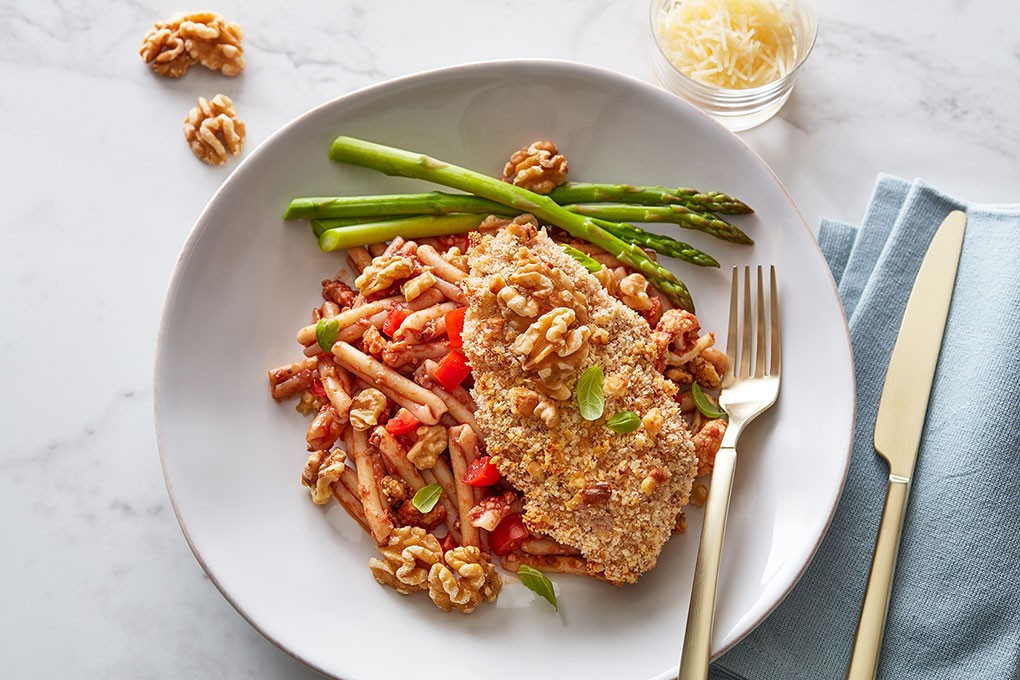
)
(99, 192)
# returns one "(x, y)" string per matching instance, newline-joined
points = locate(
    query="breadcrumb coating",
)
(613, 497)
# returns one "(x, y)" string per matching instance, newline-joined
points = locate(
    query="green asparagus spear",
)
(677, 214)
(391, 205)
(664, 245)
(712, 201)
(701, 201)
(419, 226)
(402, 163)
(319, 226)
(378, 208)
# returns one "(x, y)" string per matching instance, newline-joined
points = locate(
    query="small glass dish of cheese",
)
(736, 60)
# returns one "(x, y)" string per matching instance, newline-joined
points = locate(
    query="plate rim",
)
(201, 225)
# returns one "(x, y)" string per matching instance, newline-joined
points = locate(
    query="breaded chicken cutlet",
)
(537, 319)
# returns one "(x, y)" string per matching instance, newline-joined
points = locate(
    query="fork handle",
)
(871, 627)
(697, 650)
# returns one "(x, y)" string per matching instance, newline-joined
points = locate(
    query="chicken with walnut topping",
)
(536, 320)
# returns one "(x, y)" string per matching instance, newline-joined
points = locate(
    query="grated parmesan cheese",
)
(736, 44)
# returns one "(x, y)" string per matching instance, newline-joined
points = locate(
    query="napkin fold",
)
(955, 607)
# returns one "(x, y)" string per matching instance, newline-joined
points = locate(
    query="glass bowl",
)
(737, 109)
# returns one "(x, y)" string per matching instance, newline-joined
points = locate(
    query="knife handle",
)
(870, 628)
(697, 649)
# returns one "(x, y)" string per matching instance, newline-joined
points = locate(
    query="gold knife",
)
(901, 414)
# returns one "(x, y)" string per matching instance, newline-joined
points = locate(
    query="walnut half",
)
(464, 581)
(538, 167)
(407, 558)
(213, 129)
(384, 271)
(322, 469)
(551, 348)
(172, 46)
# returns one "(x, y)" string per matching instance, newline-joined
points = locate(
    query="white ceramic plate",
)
(246, 281)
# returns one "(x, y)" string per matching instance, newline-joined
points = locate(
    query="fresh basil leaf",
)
(624, 422)
(325, 333)
(587, 262)
(539, 583)
(427, 497)
(704, 404)
(590, 399)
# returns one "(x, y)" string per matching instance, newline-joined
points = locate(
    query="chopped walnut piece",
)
(338, 292)
(408, 556)
(652, 422)
(653, 481)
(548, 413)
(539, 167)
(699, 493)
(679, 376)
(523, 401)
(552, 350)
(432, 441)
(615, 385)
(412, 288)
(457, 258)
(384, 271)
(366, 408)
(704, 373)
(464, 581)
(394, 489)
(410, 516)
(681, 524)
(634, 292)
(373, 341)
(322, 469)
(630, 289)
(171, 46)
(213, 129)
(718, 359)
(599, 492)
(509, 298)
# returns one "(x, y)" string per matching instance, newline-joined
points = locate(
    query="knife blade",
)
(901, 413)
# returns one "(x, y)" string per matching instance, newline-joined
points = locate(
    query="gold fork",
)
(747, 392)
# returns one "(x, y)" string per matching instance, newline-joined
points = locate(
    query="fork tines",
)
(764, 329)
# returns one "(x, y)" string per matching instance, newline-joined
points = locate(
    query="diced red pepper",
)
(447, 542)
(402, 423)
(481, 472)
(317, 388)
(455, 327)
(453, 369)
(508, 535)
(394, 319)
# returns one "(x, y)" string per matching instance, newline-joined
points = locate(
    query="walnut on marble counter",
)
(213, 129)
(173, 45)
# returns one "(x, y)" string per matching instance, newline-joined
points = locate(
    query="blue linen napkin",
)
(955, 607)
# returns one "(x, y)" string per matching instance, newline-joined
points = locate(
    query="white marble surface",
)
(99, 192)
